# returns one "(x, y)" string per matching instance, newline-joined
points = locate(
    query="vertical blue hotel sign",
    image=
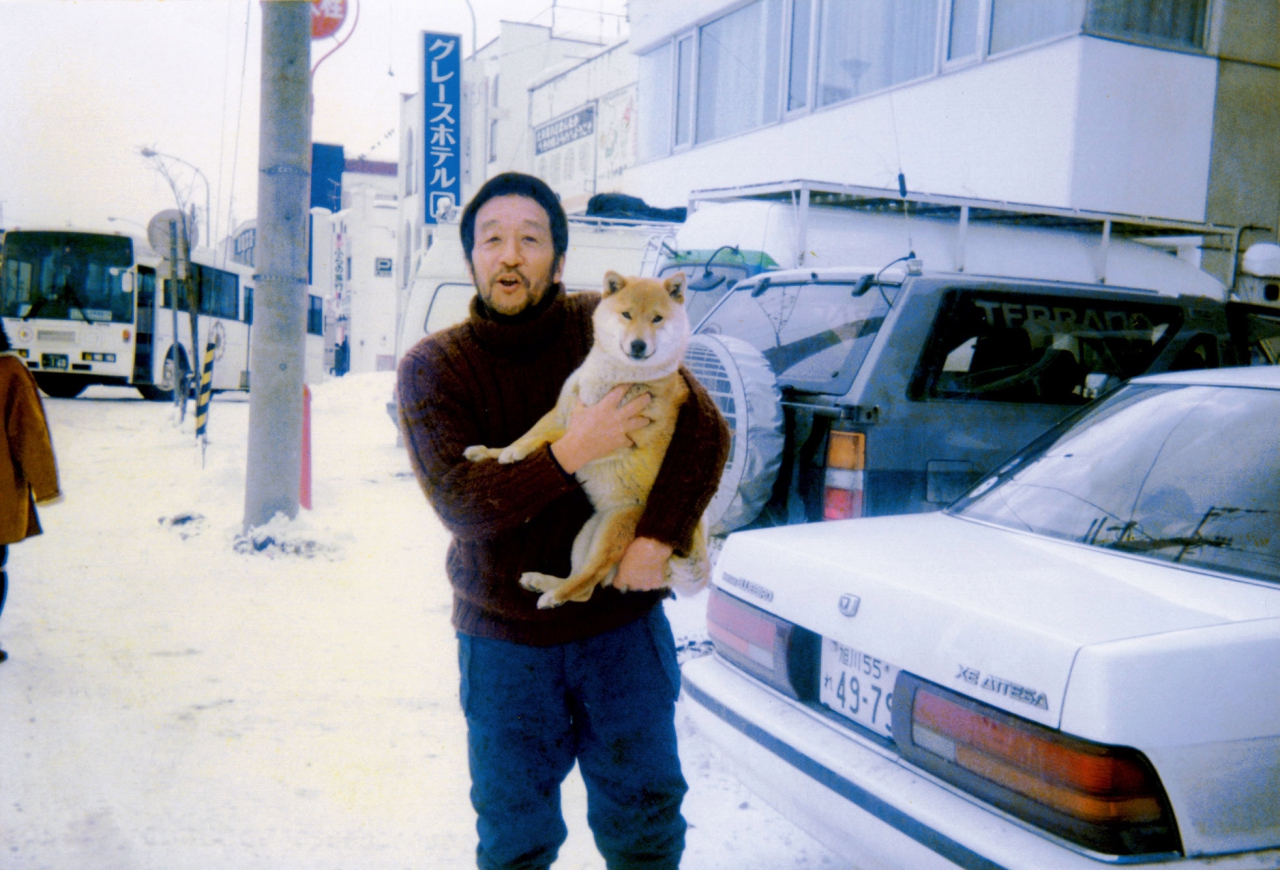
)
(442, 130)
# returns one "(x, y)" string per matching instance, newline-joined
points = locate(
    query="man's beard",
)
(530, 298)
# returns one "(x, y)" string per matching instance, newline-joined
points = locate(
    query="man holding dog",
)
(593, 682)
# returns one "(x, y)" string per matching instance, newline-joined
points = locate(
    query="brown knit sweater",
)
(486, 381)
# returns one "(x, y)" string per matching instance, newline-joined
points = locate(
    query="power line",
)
(235, 150)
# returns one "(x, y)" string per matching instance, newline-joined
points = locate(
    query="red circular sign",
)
(326, 17)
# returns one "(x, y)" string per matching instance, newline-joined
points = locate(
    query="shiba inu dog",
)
(640, 334)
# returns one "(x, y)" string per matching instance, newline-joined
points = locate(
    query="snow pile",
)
(282, 536)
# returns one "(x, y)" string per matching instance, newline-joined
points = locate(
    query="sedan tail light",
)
(775, 651)
(1106, 798)
(843, 484)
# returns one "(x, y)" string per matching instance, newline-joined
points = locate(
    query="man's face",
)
(513, 258)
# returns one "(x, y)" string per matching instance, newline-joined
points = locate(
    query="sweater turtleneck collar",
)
(519, 334)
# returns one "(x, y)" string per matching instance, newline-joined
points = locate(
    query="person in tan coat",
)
(28, 471)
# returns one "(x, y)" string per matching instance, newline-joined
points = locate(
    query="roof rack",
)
(888, 200)
(963, 210)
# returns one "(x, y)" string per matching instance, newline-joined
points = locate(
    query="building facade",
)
(1159, 109)
(362, 292)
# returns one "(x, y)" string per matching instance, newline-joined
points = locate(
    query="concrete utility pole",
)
(279, 318)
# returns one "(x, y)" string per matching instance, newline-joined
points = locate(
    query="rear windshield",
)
(1186, 474)
(814, 335)
(704, 290)
(1027, 347)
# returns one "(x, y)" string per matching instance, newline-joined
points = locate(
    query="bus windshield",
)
(66, 276)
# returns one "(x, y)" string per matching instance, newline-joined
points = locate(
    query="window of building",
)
(963, 26)
(315, 315)
(493, 141)
(684, 91)
(244, 245)
(493, 92)
(868, 45)
(800, 35)
(739, 59)
(655, 102)
(1015, 23)
(1179, 23)
(745, 69)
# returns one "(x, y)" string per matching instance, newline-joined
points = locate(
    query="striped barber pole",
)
(206, 391)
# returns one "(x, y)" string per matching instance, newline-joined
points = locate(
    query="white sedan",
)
(1076, 665)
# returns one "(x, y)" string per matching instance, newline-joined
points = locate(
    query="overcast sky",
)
(84, 85)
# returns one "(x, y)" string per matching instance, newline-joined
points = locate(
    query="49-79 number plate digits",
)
(857, 686)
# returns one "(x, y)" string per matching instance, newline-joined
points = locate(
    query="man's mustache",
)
(510, 273)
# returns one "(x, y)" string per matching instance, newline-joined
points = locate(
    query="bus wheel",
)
(61, 386)
(163, 391)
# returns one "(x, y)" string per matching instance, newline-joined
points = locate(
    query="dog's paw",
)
(560, 595)
(479, 453)
(535, 582)
(512, 453)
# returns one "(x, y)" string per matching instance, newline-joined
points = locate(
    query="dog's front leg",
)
(546, 431)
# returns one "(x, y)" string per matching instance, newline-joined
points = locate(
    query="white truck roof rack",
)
(963, 210)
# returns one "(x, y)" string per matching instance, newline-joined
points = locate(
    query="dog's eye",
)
(627, 315)
(657, 317)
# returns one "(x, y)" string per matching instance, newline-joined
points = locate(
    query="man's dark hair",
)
(517, 184)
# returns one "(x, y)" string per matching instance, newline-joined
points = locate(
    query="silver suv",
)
(859, 394)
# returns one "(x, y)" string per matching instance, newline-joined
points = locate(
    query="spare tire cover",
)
(746, 391)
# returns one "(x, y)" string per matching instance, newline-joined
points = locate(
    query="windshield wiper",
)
(1185, 541)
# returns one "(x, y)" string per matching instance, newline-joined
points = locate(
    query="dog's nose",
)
(637, 348)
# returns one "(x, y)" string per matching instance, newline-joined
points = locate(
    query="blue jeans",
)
(607, 702)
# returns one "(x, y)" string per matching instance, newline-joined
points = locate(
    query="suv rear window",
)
(815, 335)
(1027, 347)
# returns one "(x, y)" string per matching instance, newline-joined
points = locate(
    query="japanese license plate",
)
(857, 686)
(53, 361)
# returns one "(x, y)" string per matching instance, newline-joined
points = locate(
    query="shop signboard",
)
(442, 127)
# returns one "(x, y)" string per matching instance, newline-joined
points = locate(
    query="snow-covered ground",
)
(173, 701)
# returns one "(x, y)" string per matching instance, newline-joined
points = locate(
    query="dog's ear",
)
(613, 282)
(675, 286)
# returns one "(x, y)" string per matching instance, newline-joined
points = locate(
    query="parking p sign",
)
(442, 128)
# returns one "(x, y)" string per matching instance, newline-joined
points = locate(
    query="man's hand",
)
(598, 430)
(643, 566)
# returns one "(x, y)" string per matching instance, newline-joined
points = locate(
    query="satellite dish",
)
(158, 231)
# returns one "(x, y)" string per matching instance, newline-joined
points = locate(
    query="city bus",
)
(86, 308)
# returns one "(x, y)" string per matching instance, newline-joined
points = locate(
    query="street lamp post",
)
(473, 27)
(159, 158)
(163, 163)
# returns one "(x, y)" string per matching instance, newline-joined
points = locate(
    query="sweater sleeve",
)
(474, 500)
(690, 472)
